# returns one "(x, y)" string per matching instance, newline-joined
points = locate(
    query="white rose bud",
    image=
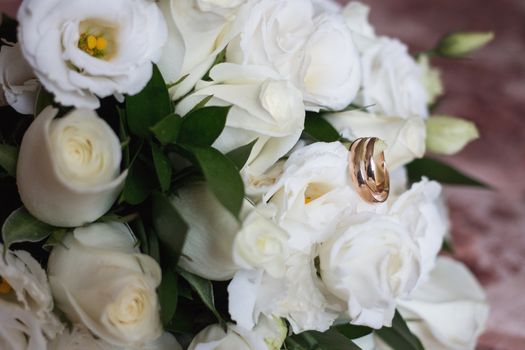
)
(451, 290)
(100, 279)
(463, 43)
(368, 266)
(91, 48)
(77, 159)
(18, 83)
(449, 135)
(431, 79)
(404, 137)
(268, 334)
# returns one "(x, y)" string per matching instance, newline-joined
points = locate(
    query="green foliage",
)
(353, 332)
(436, 170)
(204, 289)
(8, 157)
(162, 167)
(240, 155)
(320, 129)
(167, 130)
(44, 99)
(169, 226)
(399, 337)
(168, 295)
(149, 106)
(139, 183)
(221, 175)
(312, 340)
(21, 226)
(203, 126)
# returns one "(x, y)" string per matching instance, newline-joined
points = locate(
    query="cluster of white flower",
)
(307, 248)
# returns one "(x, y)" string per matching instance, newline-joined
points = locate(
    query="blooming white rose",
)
(421, 210)
(26, 305)
(265, 108)
(367, 265)
(198, 30)
(392, 80)
(99, 279)
(91, 48)
(217, 245)
(77, 159)
(316, 53)
(80, 338)
(269, 334)
(404, 137)
(18, 83)
(449, 312)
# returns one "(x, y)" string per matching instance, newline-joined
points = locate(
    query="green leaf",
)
(222, 177)
(153, 245)
(8, 157)
(162, 167)
(204, 289)
(168, 295)
(21, 226)
(329, 340)
(44, 99)
(56, 238)
(137, 226)
(240, 155)
(353, 332)
(203, 126)
(441, 172)
(149, 106)
(399, 337)
(167, 130)
(170, 227)
(318, 128)
(139, 183)
(201, 104)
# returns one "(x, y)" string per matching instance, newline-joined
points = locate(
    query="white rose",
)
(217, 245)
(269, 334)
(198, 30)
(265, 108)
(367, 265)
(404, 137)
(392, 80)
(80, 338)
(421, 210)
(26, 305)
(99, 279)
(315, 53)
(312, 191)
(91, 48)
(356, 16)
(18, 83)
(450, 311)
(77, 159)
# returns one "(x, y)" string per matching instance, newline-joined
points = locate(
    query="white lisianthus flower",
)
(77, 159)
(198, 30)
(404, 137)
(356, 17)
(265, 108)
(367, 265)
(80, 338)
(316, 53)
(268, 334)
(99, 279)
(89, 48)
(18, 84)
(392, 80)
(26, 305)
(431, 79)
(449, 312)
(217, 245)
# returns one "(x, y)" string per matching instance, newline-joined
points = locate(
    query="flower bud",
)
(431, 79)
(449, 135)
(463, 43)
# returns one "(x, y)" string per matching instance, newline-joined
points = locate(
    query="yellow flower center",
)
(5, 288)
(307, 200)
(93, 45)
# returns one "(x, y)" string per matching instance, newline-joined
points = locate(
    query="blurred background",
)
(489, 89)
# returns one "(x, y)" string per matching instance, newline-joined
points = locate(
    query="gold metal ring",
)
(368, 169)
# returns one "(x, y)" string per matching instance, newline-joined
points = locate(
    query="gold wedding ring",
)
(368, 169)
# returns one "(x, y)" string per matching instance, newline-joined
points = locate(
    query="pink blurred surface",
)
(489, 226)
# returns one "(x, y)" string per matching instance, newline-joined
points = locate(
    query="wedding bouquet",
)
(226, 175)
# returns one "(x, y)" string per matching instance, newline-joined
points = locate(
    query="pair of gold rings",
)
(368, 169)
